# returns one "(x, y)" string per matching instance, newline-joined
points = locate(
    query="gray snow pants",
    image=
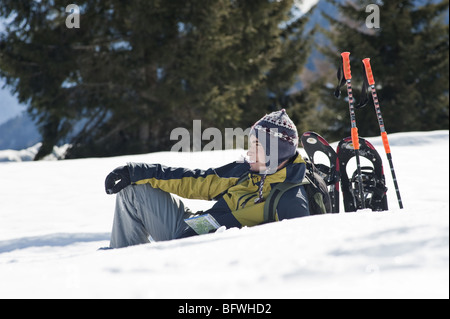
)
(142, 211)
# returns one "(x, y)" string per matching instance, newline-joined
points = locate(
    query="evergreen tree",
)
(277, 90)
(409, 57)
(135, 70)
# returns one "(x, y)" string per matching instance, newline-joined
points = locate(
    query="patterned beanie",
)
(276, 129)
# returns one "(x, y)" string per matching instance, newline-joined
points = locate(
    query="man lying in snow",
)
(145, 206)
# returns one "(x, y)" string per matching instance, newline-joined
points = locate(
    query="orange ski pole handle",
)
(355, 138)
(369, 72)
(346, 65)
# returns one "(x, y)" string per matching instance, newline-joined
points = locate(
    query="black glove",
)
(117, 180)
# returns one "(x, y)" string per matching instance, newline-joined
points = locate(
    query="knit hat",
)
(278, 135)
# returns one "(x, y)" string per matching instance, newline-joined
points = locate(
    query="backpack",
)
(316, 192)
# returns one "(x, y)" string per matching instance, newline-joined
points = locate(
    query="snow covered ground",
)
(54, 215)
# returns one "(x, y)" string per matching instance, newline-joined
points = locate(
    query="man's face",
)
(256, 154)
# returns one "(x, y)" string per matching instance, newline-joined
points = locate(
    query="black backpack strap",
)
(364, 98)
(272, 200)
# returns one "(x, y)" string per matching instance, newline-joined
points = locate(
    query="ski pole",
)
(354, 129)
(371, 82)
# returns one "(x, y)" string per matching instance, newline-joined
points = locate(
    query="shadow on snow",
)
(53, 240)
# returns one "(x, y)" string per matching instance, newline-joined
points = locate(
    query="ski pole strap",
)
(341, 82)
(364, 96)
(344, 73)
(367, 81)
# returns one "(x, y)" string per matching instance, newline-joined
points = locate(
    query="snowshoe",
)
(312, 143)
(373, 180)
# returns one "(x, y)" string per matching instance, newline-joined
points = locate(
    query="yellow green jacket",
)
(235, 202)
